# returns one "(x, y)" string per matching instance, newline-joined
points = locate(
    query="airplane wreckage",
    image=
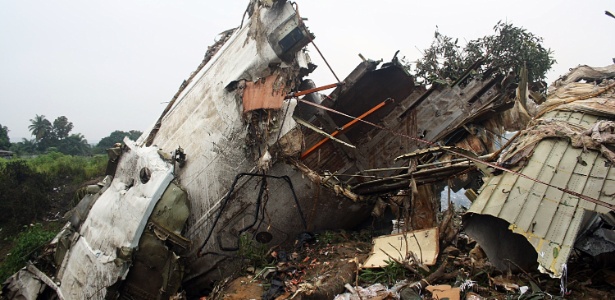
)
(249, 147)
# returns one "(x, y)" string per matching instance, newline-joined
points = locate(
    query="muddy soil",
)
(322, 269)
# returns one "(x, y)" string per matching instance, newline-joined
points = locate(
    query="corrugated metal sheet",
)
(549, 218)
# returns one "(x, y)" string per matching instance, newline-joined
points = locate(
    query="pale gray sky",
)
(113, 65)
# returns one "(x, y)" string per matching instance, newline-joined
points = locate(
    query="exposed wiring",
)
(473, 159)
(228, 197)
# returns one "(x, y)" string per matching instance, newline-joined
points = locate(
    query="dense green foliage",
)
(27, 244)
(56, 137)
(389, 274)
(35, 188)
(69, 169)
(505, 51)
(5, 143)
(24, 147)
(24, 194)
(52, 137)
(118, 137)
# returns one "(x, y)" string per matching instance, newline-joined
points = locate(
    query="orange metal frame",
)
(345, 127)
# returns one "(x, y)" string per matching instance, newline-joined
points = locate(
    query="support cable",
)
(228, 197)
(473, 159)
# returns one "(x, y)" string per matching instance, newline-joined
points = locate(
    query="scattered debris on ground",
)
(463, 271)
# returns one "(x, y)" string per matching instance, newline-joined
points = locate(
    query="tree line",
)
(57, 136)
(41, 183)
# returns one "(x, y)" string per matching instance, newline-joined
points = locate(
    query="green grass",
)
(27, 244)
(253, 253)
(388, 275)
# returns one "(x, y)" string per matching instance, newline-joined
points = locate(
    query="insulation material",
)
(264, 94)
(598, 137)
(424, 244)
(515, 118)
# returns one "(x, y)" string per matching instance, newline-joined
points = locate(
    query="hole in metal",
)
(145, 174)
(264, 237)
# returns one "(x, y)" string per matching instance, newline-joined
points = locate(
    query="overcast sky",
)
(113, 65)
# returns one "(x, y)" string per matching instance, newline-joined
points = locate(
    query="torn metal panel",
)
(432, 116)
(547, 217)
(367, 91)
(600, 241)
(208, 122)
(265, 93)
(113, 244)
(506, 250)
(413, 114)
(156, 272)
(568, 150)
(423, 244)
(23, 285)
(92, 263)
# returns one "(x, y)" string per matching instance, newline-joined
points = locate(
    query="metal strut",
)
(345, 127)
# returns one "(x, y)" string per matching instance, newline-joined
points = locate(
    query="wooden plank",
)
(423, 243)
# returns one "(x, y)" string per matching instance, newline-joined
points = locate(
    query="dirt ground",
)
(329, 266)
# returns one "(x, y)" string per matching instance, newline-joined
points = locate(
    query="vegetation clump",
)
(32, 190)
(507, 50)
(27, 244)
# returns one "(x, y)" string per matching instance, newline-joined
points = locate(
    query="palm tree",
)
(40, 127)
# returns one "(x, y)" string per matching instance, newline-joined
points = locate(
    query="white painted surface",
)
(207, 119)
(116, 220)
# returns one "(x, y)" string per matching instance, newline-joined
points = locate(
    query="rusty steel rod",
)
(345, 127)
(475, 160)
(314, 90)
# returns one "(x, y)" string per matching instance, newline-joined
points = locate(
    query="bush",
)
(24, 194)
(64, 169)
(27, 244)
(31, 188)
(388, 275)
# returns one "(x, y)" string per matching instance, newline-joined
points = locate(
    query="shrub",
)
(27, 244)
(24, 194)
(30, 188)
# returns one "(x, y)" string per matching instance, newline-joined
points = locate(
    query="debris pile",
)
(249, 155)
(558, 184)
(559, 174)
(338, 271)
